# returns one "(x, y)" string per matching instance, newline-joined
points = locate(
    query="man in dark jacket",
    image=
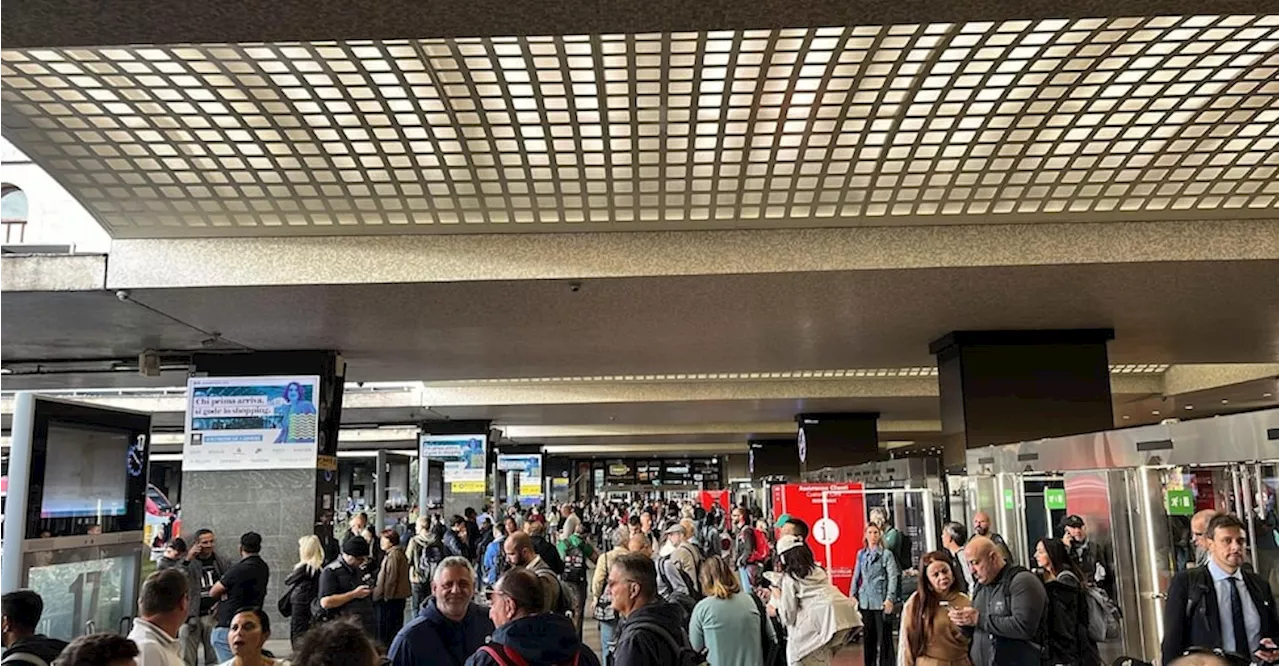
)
(537, 531)
(455, 540)
(346, 585)
(1220, 605)
(21, 614)
(537, 638)
(1089, 555)
(1004, 622)
(205, 567)
(651, 627)
(450, 628)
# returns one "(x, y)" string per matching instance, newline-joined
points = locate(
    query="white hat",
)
(788, 542)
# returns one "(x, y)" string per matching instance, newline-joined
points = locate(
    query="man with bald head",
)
(1003, 623)
(982, 527)
(519, 551)
(1199, 538)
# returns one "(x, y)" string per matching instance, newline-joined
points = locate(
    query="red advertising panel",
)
(708, 497)
(836, 515)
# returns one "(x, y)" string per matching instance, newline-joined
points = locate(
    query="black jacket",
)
(37, 645)
(636, 646)
(454, 545)
(542, 640)
(1066, 634)
(304, 585)
(1191, 612)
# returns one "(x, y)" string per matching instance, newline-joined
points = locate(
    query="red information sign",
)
(708, 497)
(836, 515)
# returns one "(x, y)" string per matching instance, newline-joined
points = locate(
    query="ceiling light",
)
(1125, 417)
(1224, 401)
(1155, 412)
(1188, 407)
(1266, 395)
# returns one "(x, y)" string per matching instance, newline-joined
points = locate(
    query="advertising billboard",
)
(463, 457)
(239, 423)
(530, 468)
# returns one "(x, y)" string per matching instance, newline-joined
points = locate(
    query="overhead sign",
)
(530, 468)
(1055, 499)
(836, 514)
(463, 457)
(238, 423)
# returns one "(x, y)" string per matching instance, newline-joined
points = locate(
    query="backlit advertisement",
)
(238, 423)
(836, 515)
(463, 457)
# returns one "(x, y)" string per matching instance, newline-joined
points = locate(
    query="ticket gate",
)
(1136, 490)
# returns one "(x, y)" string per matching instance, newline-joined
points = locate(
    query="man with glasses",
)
(346, 586)
(450, 627)
(1220, 605)
(652, 632)
(525, 634)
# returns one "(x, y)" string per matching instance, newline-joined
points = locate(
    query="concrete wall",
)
(274, 503)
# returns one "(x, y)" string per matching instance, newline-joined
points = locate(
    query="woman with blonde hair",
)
(728, 622)
(302, 585)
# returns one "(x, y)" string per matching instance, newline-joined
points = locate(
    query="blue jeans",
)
(220, 645)
(744, 577)
(606, 635)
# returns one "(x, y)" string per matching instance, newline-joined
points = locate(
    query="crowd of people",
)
(668, 584)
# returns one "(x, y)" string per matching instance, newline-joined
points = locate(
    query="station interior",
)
(1011, 258)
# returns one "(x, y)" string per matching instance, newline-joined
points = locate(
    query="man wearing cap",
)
(1088, 555)
(346, 586)
(683, 555)
(788, 525)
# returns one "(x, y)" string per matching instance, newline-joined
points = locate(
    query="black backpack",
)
(575, 566)
(685, 654)
(429, 557)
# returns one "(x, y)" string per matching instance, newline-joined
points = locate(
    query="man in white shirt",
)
(162, 610)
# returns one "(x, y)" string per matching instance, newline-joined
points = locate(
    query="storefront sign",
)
(238, 423)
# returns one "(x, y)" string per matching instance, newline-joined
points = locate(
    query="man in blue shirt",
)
(1220, 605)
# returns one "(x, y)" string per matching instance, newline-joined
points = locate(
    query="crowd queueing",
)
(667, 584)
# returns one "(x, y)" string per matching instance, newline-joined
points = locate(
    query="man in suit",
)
(1220, 605)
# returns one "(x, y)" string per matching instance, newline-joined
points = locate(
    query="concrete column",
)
(838, 439)
(380, 492)
(280, 504)
(998, 387)
(773, 457)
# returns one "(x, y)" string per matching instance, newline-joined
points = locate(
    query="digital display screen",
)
(87, 472)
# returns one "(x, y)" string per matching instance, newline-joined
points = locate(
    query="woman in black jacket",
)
(303, 583)
(1066, 624)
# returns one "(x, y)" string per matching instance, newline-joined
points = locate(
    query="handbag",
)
(603, 610)
(285, 603)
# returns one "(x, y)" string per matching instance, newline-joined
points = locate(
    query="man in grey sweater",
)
(1004, 623)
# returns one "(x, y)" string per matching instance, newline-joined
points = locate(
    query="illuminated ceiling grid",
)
(1129, 117)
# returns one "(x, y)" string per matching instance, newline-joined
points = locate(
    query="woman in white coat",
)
(817, 615)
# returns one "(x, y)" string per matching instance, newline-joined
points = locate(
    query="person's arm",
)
(598, 577)
(787, 603)
(856, 585)
(674, 578)
(1175, 620)
(1027, 599)
(696, 639)
(383, 580)
(894, 573)
(229, 579)
(905, 658)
